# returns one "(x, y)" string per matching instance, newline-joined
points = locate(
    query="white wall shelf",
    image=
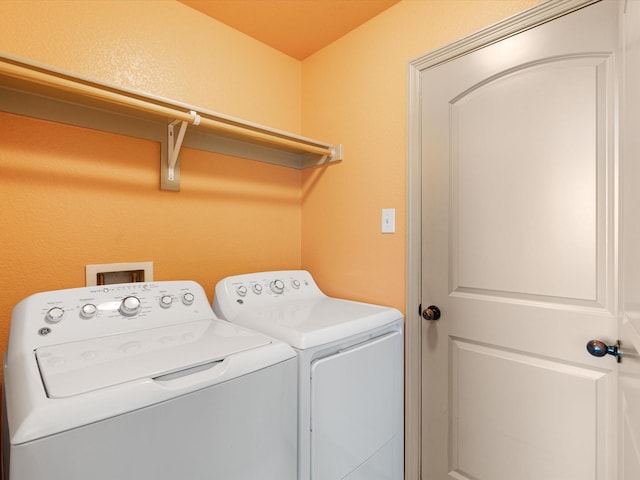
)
(40, 91)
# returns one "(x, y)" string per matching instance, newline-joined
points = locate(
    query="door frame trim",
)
(530, 18)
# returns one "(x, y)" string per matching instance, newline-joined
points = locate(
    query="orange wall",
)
(354, 92)
(71, 196)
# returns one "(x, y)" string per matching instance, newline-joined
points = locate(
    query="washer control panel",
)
(89, 312)
(263, 290)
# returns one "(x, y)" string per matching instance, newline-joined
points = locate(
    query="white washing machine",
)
(351, 364)
(141, 381)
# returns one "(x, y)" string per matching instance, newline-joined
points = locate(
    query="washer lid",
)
(319, 321)
(79, 367)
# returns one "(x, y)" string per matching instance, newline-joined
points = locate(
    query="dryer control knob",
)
(277, 286)
(54, 315)
(188, 298)
(129, 306)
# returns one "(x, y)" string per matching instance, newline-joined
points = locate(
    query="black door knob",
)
(431, 313)
(601, 349)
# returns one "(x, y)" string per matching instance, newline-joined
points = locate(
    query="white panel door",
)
(520, 205)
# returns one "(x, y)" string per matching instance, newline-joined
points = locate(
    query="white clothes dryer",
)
(350, 371)
(141, 381)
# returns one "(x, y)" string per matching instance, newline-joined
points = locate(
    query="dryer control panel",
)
(289, 306)
(264, 292)
(267, 288)
(76, 314)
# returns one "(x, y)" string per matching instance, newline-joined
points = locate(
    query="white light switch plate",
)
(388, 220)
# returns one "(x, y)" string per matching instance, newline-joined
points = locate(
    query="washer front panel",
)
(218, 432)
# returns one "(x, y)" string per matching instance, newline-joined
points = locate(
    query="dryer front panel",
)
(356, 412)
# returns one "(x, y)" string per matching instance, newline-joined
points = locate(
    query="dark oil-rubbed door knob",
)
(431, 313)
(601, 349)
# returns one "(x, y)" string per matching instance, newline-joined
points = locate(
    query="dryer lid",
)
(319, 321)
(74, 368)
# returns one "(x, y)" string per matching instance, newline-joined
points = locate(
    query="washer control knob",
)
(166, 301)
(54, 315)
(129, 306)
(88, 311)
(295, 283)
(188, 298)
(257, 288)
(241, 290)
(277, 286)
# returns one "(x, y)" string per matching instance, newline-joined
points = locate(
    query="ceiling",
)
(297, 28)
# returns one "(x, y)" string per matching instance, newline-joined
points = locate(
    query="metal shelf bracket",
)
(174, 142)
